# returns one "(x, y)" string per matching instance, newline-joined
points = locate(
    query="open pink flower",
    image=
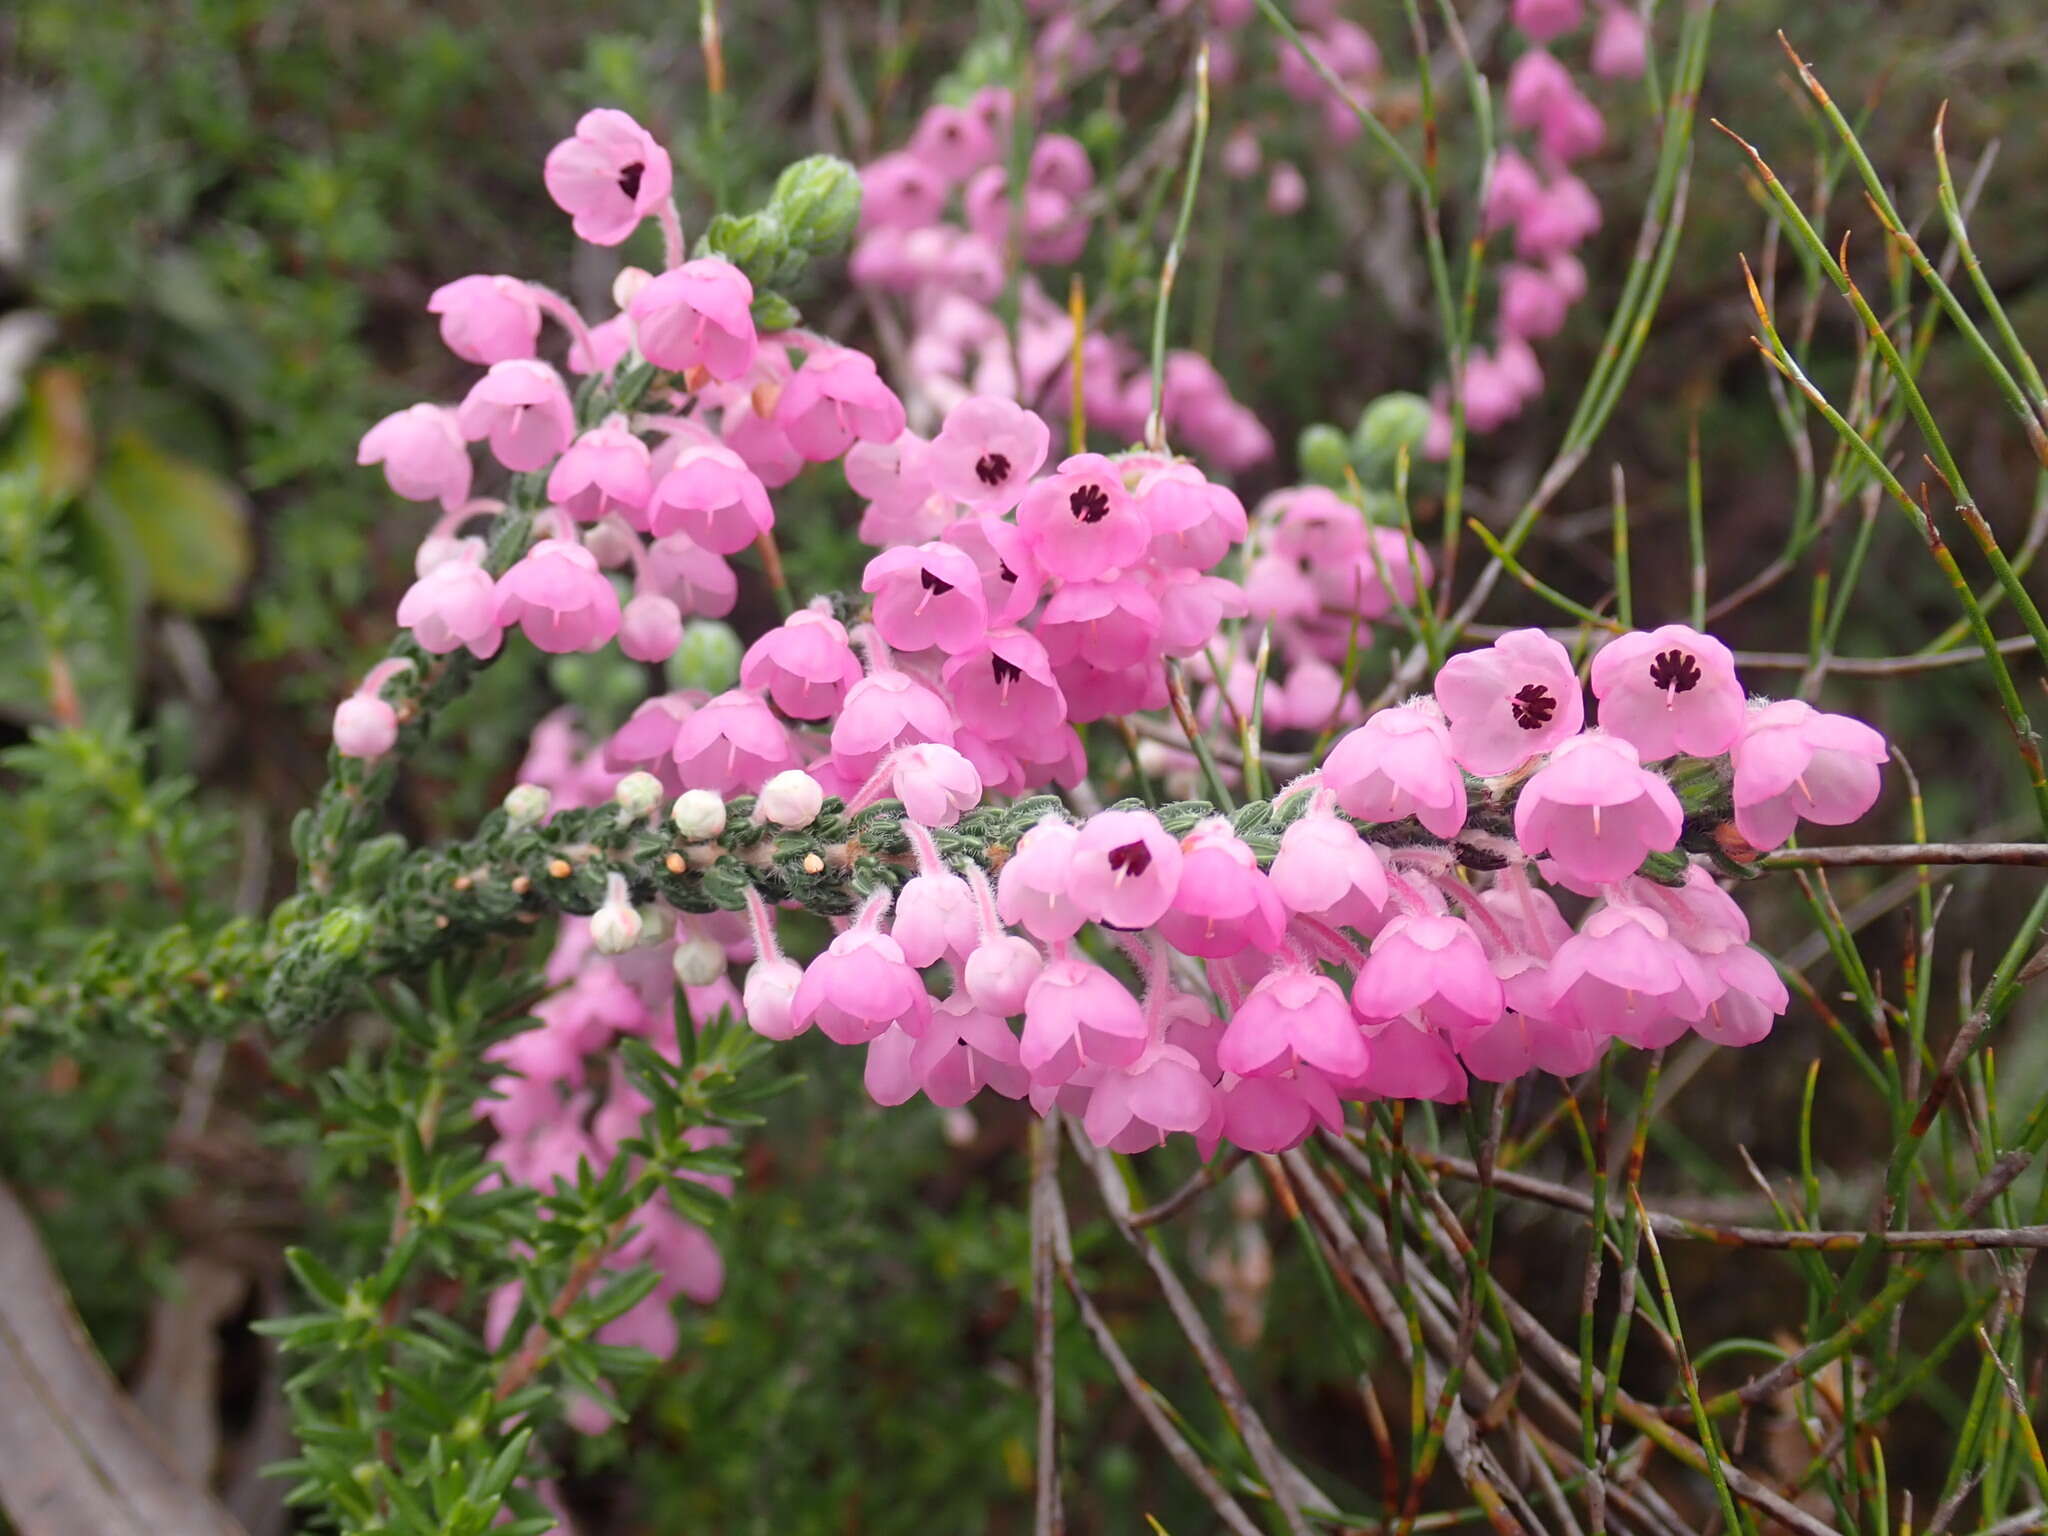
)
(1223, 903)
(1108, 624)
(1794, 763)
(805, 665)
(1005, 688)
(1536, 80)
(711, 495)
(859, 987)
(936, 784)
(1431, 964)
(609, 177)
(523, 407)
(1746, 995)
(1276, 1114)
(1125, 868)
(1033, 889)
(1400, 764)
(559, 597)
(1670, 690)
(487, 319)
(1075, 1013)
(699, 581)
(1507, 703)
(421, 449)
(1546, 19)
(883, 711)
(700, 315)
(1081, 521)
(605, 470)
(836, 399)
(1623, 976)
(1294, 1015)
(987, 451)
(900, 191)
(454, 604)
(1596, 810)
(927, 595)
(1325, 868)
(1531, 303)
(1194, 521)
(1562, 215)
(1621, 44)
(730, 744)
(1134, 1108)
(965, 1049)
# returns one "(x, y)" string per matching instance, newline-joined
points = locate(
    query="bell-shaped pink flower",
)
(805, 664)
(1294, 1015)
(1507, 703)
(1277, 1114)
(1081, 521)
(1125, 868)
(769, 998)
(1535, 81)
(998, 975)
(934, 919)
(487, 319)
(1411, 1061)
(927, 595)
(859, 987)
(1076, 1013)
(700, 315)
(1223, 903)
(650, 628)
(1531, 304)
(609, 177)
(1546, 19)
(935, 783)
(1623, 976)
(883, 711)
(1399, 764)
(1562, 215)
(1325, 868)
(732, 744)
(1794, 763)
(699, 581)
(836, 399)
(987, 451)
(1005, 688)
(610, 341)
(1596, 810)
(648, 737)
(1033, 889)
(1433, 964)
(605, 470)
(421, 449)
(559, 597)
(965, 1049)
(1109, 624)
(901, 191)
(1194, 521)
(1572, 126)
(1746, 993)
(1670, 690)
(1621, 44)
(954, 141)
(711, 495)
(1515, 188)
(1135, 1108)
(523, 407)
(454, 604)
(1192, 608)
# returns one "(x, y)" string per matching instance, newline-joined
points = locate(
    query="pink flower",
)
(987, 452)
(1325, 867)
(732, 743)
(769, 998)
(1515, 189)
(1075, 1013)
(1747, 995)
(859, 987)
(1223, 903)
(1433, 964)
(1622, 976)
(954, 141)
(900, 191)
(649, 734)
(935, 783)
(1192, 607)
(1032, 889)
(836, 399)
(1109, 624)
(1134, 1108)
(421, 449)
(650, 628)
(927, 595)
(1561, 216)
(1505, 704)
(1596, 810)
(523, 407)
(1125, 868)
(965, 1049)
(454, 604)
(883, 711)
(559, 597)
(1668, 691)
(700, 315)
(605, 470)
(935, 919)
(609, 177)
(1531, 304)
(487, 319)
(1536, 81)
(1572, 126)
(805, 665)
(1546, 19)
(1011, 581)
(1081, 521)
(1621, 46)
(364, 726)
(1399, 764)
(711, 495)
(1194, 521)
(1294, 1015)
(1005, 689)
(1275, 1114)
(1794, 762)
(698, 580)
(999, 973)
(609, 344)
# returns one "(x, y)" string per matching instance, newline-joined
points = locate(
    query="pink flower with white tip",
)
(700, 315)
(987, 451)
(1399, 764)
(927, 595)
(423, 454)
(1294, 1015)
(1596, 810)
(835, 400)
(732, 743)
(1796, 764)
(1433, 965)
(487, 319)
(805, 664)
(711, 495)
(453, 605)
(1081, 521)
(1510, 702)
(606, 470)
(559, 597)
(365, 724)
(523, 407)
(609, 177)
(1668, 691)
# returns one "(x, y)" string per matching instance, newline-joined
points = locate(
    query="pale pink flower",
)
(1276, 1114)
(1194, 521)
(487, 319)
(805, 664)
(1399, 764)
(1670, 690)
(1192, 607)
(650, 628)
(1509, 702)
(935, 784)
(900, 191)
(421, 449)
(1531, 303)
(1561, 216)
(1223, 902)
(965, 1049)
(1596, 810)
(698, 316)
(1325, 868)
(1546, 19)
(999, 973)
(1623, 976)
(1294, 1015)
(1005, 688)
(454, 604)
(927, 595)
(1081, 520)
(859, 987)
(836, 399)
(1746, 992)
(1125, 868)
(1572, 126)
(559, 597)
(610, 176)
(713, 496)
(1536, 80)
(1076, 1013)
(769, 998)
(699, 581)
(954, 141)
(987, 451)
(934, 919)
(605, 470)
(1621, 44)
(1515, 189)
(1135, 1108)
(1411, 1061)
(1109, 624)
(364, 726)
(523, 407)
(610, 341)
(731, 744)
(1431, 964)
(1794, 763)
(883, 711)
(1032, 888)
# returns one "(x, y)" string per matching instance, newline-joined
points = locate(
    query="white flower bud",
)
(699, 961)
(526, 805)
(615, 926)
(656, 924)
(630, 281)
(698, 813)
(791, 799)
(638, 794)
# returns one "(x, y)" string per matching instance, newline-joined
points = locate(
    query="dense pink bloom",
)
(1005, 688)
(650, 628)
(1125, 868)
(1399, 764)
(935, 783)
(987, 451)
(1325, 867)
(1081, 520)
(954, 141)
(713, 496)
(1076, 1012)
(1108, 624)
(1623, 976)
(1431, 963)
(805, 665)
(1668, 691)
(523, 407)
(834, 400)
(927, 595)
(1545, 19)
(1562, 215)
(885, 710)
(1621, 45)
(1794, 763)
(1536, 81)
(559, 597)
(698, 316)
(1505, 704)
(610, 176)
(421, 449)
(1223, 903)
(1032, 889)
(1290, 1016)
(487, 319)
(1412, 1061)
(454, 604)
(859, 987)
(605, 470)
(732, 743)
(903, 505)
(1596, 810)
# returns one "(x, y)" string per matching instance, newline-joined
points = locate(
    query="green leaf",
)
(817, 199)
(190, 526)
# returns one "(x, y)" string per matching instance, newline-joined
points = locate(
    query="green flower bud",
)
(1322, 454)
(1391, 423)
(344, 932)
(817, 200)
(526, 805)
(708, 658)
(638, 794)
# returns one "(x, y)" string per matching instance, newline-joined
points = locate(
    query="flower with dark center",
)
(1533, 706)
(629, 179)
(1133, 858)
(1089, 504)
(938, 586)
(1006, 573)
(1674, 671)
(992, 468)
(1006, 672)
